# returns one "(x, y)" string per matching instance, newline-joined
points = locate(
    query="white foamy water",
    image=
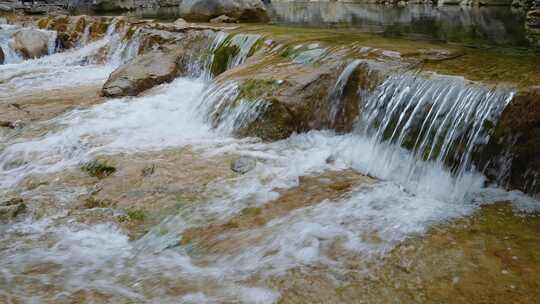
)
(164, 118)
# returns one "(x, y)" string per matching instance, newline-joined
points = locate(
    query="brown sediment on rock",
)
(311, 190)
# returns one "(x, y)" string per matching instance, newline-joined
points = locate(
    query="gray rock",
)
(11, 208)
(242, 10)
(142, 73)
(243, 165)
(31, 43)
(223, 19)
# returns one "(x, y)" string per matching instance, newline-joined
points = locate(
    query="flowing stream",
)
(416, 135)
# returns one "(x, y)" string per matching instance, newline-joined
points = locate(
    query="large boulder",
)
(242, 10)
(142, 73)
(31, 43)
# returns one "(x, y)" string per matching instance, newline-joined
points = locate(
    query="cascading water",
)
(79, 66)
(440, 119)
(417, 133)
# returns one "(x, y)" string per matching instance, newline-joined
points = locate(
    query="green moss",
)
(98, 169)
(136, 215)
(222, 56)
(254, 89)
(257, 46)
(185, 240)
(254, 211)
(91, 203)
(231, 225)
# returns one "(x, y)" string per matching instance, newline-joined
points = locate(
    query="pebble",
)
(243, 165)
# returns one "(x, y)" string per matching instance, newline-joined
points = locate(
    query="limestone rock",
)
(142, 73)
(31, 43)
(242, 10)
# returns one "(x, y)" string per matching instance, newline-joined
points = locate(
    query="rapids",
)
(405, 139)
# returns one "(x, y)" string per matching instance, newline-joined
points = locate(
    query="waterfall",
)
(424, 130)
(440, 119)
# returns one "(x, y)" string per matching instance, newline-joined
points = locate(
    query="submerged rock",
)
(142, 73)
(31, 43)
(9, 209)
(7, 124)
(243, 165)
(243, 10)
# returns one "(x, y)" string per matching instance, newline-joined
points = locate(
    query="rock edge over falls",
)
(300, 80)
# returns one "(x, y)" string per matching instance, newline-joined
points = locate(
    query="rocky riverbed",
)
(145, 161)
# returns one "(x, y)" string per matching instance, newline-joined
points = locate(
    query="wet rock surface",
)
(144, 72)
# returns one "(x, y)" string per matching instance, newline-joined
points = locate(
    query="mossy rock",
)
(276, 122)
(222, 56)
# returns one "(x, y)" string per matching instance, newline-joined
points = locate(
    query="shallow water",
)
(489, 25)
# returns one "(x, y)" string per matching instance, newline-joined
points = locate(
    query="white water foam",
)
(69, 69)
(161, 119)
